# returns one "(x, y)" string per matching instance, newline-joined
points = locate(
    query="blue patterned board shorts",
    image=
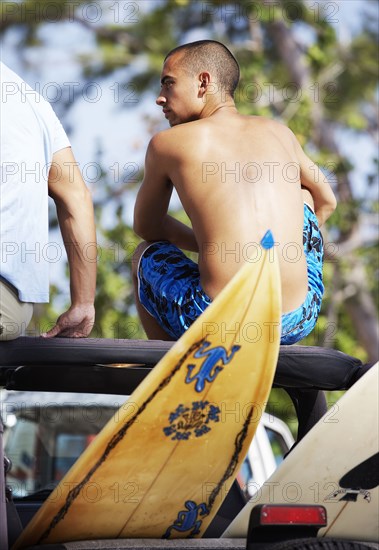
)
(169, 286)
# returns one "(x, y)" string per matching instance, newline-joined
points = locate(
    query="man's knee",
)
(137, 256)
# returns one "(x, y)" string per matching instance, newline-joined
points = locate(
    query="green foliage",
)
(116, 315)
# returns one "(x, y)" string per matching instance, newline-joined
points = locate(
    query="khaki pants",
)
(14, 315)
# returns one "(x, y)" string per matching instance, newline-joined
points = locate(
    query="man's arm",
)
(151, 220)
(315, 181)
(76, 221)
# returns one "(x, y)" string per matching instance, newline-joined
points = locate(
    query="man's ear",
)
(204, 83)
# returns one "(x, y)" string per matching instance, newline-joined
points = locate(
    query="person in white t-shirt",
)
(36, 161)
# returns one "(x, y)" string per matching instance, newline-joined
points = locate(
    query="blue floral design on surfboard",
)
(209, 368)
(187, 520)
(186, 421)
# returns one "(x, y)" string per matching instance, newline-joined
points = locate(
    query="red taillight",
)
(292, 515)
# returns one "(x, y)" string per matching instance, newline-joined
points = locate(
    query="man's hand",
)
(76, 322)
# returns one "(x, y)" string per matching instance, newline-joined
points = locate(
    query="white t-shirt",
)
(30, 133)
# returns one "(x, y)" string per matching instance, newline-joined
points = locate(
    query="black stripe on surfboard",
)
(74, 493)
(239, 440)
(241, 436)
(205, 393)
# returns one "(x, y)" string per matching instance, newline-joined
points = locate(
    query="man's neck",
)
(213, 108)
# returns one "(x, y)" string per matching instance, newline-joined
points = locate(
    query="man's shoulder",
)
(270, 124)
(178, 135)
(159, 142)
(186, 128)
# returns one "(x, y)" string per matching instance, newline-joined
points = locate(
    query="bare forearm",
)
(78, 232)
(171, 230)
(76, 221)
(180, 234)
(323, 208)
(315, 181)
(325, 204)
(322, 194)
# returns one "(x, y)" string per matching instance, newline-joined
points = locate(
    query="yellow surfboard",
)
(162, 466)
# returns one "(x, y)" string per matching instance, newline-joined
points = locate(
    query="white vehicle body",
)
(45, 432)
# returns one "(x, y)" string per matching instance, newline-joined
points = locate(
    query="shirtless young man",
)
(236, 177)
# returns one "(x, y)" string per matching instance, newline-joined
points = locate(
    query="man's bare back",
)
(237, 176)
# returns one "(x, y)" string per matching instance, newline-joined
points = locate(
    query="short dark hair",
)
(213, 56)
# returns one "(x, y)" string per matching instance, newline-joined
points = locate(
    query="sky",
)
(98, 118)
